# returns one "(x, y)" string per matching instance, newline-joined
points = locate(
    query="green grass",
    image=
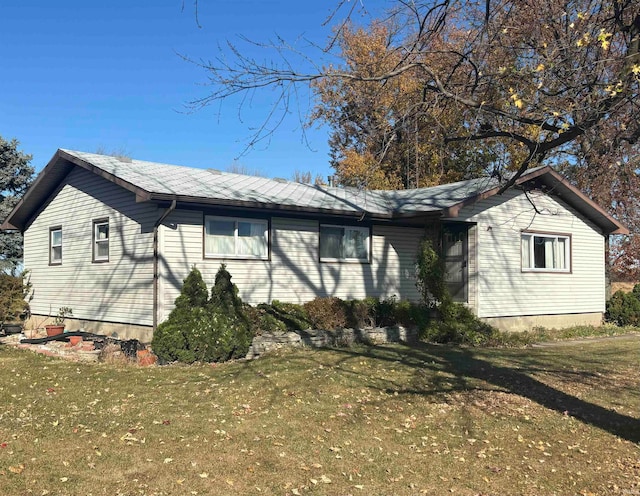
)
(365, 420)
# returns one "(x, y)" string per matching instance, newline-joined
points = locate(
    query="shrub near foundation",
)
(204, 330)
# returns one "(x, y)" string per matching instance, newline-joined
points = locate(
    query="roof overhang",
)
(557, 185)
(62, 163)
(46, 183)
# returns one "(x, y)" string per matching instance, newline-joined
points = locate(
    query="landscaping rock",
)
(316, 338)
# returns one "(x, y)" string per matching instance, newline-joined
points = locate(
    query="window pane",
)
(562, 259)
(56, 237)
(102, 231)
(453, 244)
(102, 250)
(550, 253)
(539, 253)
(331, 242)
(251, 239)
(355, 244)
(219, 239)
(56, 253)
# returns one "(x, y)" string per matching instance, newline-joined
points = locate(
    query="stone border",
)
(317, 338)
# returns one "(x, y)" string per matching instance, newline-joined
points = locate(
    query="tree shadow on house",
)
(465, 370)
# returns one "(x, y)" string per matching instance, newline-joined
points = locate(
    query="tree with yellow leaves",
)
(438, 88)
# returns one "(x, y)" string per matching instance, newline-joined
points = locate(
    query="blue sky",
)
(87, 75)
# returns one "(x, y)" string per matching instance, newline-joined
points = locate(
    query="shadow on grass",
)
(468, 367)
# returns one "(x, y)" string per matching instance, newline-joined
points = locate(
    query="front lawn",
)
(365, 420)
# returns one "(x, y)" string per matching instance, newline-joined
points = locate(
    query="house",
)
(113, 238)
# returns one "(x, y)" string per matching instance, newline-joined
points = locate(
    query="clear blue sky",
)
(84, 75)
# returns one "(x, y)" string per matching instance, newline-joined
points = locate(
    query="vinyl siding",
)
(503, 289)
(472, 267)
(294, 273)
(120, 290)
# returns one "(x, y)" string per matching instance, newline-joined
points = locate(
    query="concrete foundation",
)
(528, 322)
(115, 329)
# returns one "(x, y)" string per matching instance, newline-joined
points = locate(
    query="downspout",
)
(155, 262)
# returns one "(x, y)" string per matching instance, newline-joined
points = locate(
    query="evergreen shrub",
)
(623, 308)
(199, 329)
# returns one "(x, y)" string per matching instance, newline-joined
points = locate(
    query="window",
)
(236, 238)
(55, 245)
(101, 240)
(344, 243)
(546, 252)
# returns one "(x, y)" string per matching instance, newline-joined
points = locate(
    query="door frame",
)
(458, 227)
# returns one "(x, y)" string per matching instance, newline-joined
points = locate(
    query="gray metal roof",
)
(152, 181)
(207, 184)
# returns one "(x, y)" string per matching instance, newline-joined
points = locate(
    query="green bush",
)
(458, 325)
(276, 317)
(455, 323)
(13, 293)
(430, 272)
(623, 308)
(204, 330)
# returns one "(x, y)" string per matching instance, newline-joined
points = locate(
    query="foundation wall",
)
(528, 322)
(142, 333)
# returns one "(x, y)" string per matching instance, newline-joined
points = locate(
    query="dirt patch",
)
(627, 287)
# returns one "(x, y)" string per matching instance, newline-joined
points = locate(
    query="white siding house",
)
(114, 239)
(116, 289)
(515, 296)
(293, 272)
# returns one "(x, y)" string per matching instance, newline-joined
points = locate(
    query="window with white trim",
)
(546, 252)
(55, 245)
(229, 237)
(101, 240)
(344, 243)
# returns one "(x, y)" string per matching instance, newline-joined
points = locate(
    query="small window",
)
(546, 252)
(55, 246)
(101, 240)
(227, 237)
(344, 243)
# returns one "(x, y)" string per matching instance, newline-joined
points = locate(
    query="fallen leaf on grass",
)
(17, 469)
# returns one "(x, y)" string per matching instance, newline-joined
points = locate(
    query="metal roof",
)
(152, 181)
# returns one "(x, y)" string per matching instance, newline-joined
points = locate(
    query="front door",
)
(455, 249)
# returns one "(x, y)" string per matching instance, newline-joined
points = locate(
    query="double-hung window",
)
(55, 245)
(101, 240)
(229, 237)
(546, 252)
(344, 243)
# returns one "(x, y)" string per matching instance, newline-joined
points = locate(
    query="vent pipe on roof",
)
(330, 181)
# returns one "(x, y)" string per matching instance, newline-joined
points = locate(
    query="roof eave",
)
(609, 226)
(195, 200)
(48, 180)
(141, 194)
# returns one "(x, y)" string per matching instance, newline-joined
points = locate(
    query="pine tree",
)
(16, 175)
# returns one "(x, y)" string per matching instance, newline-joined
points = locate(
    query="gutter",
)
(156, 227)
